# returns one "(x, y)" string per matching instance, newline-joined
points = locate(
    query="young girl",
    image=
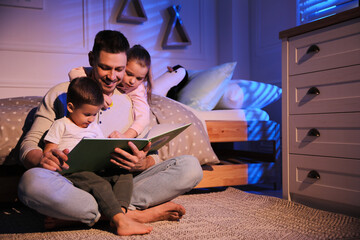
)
(137, 84)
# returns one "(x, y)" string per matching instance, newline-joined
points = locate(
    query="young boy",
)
(84, 100)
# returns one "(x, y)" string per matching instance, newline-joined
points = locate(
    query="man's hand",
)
(54, 159)
(138, 161)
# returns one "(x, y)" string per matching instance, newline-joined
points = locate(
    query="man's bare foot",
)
(167, 211)
(126, 226)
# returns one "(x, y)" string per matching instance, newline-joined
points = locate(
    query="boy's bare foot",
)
(126, 226)
(167, 211)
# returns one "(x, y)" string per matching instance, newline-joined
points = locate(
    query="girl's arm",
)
(79, 72)
(141, 111)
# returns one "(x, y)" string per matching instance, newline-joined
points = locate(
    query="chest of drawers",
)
(321, 114)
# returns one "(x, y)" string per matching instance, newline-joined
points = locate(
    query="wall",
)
(267, 19)
(233, 35)
(39, 46)
(249, 34)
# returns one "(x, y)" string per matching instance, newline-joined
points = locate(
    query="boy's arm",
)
(141, 110)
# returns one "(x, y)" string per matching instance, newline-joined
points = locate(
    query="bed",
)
(210, 138)
(222, 164)
(231, 112)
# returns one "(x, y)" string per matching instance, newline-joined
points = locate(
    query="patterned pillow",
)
(14, 111)
(193, 141)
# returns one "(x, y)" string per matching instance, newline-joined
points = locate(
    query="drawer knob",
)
(314, 132)
(313, 49)
(313, 174)
(313, 90)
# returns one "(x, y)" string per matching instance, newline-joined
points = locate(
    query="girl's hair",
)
(142, 57)
(85, 90)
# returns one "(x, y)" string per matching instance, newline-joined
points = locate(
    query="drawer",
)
(339, 179)
(338, 135)
(339, 45)
(335, 90)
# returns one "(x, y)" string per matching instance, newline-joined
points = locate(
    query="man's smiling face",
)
(109, 70)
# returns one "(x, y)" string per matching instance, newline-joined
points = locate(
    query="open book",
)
(93, 154)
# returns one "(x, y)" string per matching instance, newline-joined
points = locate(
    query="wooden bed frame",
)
(232, 171)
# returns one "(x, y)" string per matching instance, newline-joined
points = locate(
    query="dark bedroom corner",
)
(269, 91)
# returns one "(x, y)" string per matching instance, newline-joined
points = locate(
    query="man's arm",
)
(31, 153)
(32, 158)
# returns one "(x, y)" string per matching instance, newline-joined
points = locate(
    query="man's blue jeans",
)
(53, 195)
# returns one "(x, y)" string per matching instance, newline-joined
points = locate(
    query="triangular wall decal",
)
(175, 24)
(132, 11)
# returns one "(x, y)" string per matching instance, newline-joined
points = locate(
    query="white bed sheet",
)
(254, 114)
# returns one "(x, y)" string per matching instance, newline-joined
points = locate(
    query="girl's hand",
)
(107, 102)
(116, 134)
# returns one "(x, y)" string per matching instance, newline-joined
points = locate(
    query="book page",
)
(163, 128)
(165, 135)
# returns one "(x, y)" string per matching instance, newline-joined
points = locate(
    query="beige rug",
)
(231, 214)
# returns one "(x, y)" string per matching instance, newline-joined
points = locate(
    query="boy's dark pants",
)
(111, 191)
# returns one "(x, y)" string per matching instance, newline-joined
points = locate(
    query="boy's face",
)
(109, 70)
(84, 115)
(134, 75)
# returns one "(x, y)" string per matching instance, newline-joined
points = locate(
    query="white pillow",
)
(167, 80)
(248, 94)
(233, 97)
(206, 87)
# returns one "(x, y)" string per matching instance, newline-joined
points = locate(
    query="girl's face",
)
(134, 75)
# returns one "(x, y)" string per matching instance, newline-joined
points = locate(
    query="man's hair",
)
(85, 90)
(110, 41)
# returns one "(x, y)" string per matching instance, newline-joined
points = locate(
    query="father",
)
(156, 182)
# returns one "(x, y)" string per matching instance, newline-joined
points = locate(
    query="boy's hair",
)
(142, 57)
(110, 41)
(85, 90)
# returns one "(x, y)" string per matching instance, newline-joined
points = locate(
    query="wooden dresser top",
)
(325, 22)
